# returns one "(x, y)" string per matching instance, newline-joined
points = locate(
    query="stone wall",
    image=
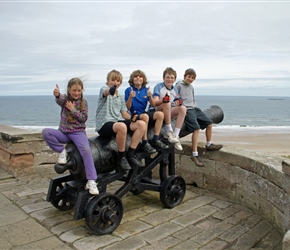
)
(255, 180)
(24, 152)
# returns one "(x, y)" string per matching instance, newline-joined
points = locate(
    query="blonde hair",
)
(169, 71)
(72, 82)
(114, 75)
(140, 73)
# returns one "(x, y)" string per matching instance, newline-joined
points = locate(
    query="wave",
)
(217, 128)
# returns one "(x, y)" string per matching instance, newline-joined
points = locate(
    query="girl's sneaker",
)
(62, 157)
(92, 187)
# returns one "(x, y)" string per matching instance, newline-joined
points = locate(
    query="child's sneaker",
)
(62, 157)
(178, 146)
(197, 161)
(171, 137)
(213, 147)
(92, 187)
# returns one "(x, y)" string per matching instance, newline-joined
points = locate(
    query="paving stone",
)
(51, 222)
(225, 213)
(246, 241)
(67, 226)
(271, 240)
(95, 242)
(5, 244)
(215, 245)
(24, 232)
(11, 215)
(187, 245)
(46, 244)
(128, 244)
(48, 213)
(131, 228)
(233, 233)
(166, 243)
(211, 233)
(159, 232)
(36, 206)
(222, 204)
(75, 234)
(195, 216)
(160, 217)
(188, 232)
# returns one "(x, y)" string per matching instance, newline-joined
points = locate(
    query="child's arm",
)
(59, 98)
(129, 95)
(151, 99)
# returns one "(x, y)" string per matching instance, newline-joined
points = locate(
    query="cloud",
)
(43, 43)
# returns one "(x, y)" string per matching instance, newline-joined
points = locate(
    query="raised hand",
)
(56, 91)
(132, 93)
(149, 92)
(112, 90)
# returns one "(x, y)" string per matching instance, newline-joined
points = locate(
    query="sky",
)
(236, 47)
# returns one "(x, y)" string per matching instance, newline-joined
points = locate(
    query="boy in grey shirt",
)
(195, 118)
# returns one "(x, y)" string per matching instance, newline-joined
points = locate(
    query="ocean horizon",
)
(255, 113)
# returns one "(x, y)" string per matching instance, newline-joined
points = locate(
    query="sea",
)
(252, 113)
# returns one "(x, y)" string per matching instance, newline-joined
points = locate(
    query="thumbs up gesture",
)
(132, 93)
(149, 92)
(56, 91)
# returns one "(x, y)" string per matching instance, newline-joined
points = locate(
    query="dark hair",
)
(140, 73)
(190, 72)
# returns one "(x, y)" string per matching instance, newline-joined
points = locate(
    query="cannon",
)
(103, 213)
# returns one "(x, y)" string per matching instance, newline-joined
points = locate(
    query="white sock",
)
(168, 127)
(176, 132)
(194, 153)
(208, 143)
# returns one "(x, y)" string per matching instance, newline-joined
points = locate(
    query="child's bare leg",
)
(180, 112)
(166, 109)
(194, 140)
(139, 127)
(121, 133)
(145, 118)
(158, 117)
(208, 133)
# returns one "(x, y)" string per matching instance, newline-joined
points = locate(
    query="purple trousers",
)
(55, 140)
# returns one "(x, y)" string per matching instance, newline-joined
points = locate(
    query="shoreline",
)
(272, 140)
(266, 140)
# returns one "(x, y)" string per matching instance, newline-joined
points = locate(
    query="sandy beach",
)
(259, 139)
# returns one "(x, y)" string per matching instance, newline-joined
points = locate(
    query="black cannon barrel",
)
(105, 150)
(215, 113)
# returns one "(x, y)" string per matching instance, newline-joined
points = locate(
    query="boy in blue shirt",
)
(137, 97)
(195, 118)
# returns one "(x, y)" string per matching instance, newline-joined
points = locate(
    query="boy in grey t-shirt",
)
(195, 118)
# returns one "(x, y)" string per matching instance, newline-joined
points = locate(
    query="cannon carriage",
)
(103, 213)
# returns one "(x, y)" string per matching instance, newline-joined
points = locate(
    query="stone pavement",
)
(203, 220)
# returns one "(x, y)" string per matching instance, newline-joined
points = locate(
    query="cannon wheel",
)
(61, 202)
(172, 191)
(104, 213)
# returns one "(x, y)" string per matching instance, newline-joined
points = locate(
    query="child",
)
(74, 114)
(167, 100)
(110, 115)
(137, 97)
(195, 118)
